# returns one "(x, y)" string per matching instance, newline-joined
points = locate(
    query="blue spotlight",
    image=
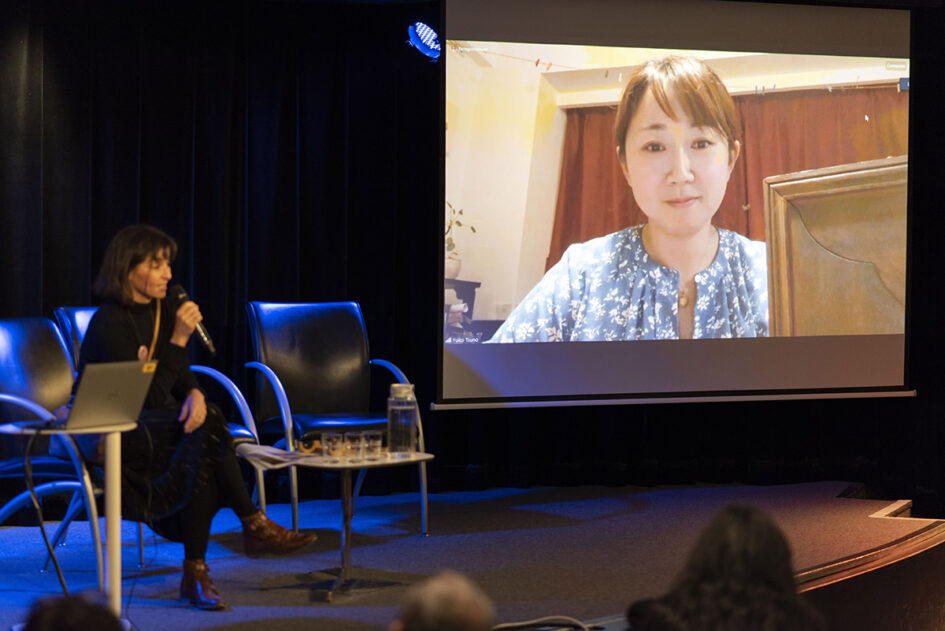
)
(424, 39)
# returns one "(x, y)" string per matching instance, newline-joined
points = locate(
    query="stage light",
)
(424, 39)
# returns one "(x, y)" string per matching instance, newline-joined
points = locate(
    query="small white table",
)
(112, 434)
(344, 467)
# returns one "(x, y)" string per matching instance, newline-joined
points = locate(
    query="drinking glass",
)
(332, 446)
(354, 446)
(373, 445)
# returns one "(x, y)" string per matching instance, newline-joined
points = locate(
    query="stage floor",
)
(583, 552)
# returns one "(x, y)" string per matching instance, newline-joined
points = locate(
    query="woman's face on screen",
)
(149, 278)
(678, 172)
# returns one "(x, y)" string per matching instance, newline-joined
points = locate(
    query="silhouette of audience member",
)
(738, 578)
(446, 602)
(71, 613)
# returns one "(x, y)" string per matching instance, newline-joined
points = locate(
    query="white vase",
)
(452, 267)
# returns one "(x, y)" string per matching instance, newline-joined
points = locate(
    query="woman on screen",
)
(677, 275)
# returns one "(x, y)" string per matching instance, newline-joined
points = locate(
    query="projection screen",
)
(530, 90)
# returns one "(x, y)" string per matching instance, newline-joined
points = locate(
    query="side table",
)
(112, 435)
(276, 458)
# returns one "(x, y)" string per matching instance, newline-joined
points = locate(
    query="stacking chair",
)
(36, 377)
(314, 356)
(73, 322)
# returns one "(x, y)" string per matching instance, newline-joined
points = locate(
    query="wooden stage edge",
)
(905, 547)
(898, 586)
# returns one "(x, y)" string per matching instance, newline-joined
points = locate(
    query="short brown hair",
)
(132, 245)
(687, 80)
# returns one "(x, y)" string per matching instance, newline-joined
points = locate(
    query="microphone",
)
(181, 295)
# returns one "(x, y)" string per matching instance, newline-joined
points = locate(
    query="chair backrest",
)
(318, 350)
(34, 364)
(73, 323)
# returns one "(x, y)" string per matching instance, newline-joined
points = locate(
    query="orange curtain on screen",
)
(780, 133)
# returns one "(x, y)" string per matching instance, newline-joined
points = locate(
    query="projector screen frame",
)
(707, 398)
(446, 402)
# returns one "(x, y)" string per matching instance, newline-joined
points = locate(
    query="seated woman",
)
(179, 466)
(677, 275)
(738, 578)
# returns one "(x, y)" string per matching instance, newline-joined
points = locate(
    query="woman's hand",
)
(188, 315)
(193, 412)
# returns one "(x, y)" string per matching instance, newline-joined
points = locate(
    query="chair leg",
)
(294, 493)
(140, 545)
(423, 499)
(91, 513)
(72, 512)
(259, 493)
(75, 505)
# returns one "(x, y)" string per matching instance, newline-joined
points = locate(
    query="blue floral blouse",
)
(610, 289)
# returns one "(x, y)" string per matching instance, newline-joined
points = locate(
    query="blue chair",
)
(36, 376)
(73, 322)
(315, 360)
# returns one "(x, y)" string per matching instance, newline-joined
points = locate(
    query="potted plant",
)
(454, 221)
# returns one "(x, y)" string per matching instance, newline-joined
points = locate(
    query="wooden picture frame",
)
(837, 249)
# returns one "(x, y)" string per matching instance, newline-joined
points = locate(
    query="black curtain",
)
(292, 147)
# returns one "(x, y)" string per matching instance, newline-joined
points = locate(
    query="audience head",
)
(738, 577)
(71, 613)
(446, 602)
(742, 546)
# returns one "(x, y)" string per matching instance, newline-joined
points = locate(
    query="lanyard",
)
(157, 325)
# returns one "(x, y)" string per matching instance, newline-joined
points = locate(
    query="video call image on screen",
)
(798, 186)
(748, 239)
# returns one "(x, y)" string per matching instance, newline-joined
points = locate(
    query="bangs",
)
(153, 245)
(697, 91)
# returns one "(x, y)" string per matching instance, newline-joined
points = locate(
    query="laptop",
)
(109, 393)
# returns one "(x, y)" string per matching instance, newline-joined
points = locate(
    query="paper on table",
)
(267, 457)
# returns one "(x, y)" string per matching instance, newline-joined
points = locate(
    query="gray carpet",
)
(583, 552)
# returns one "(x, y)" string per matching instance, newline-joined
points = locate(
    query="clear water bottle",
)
(402, 415)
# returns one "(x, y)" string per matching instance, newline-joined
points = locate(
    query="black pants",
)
(176, 482)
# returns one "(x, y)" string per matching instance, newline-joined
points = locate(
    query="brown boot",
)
(261, 535)
(197, 586)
